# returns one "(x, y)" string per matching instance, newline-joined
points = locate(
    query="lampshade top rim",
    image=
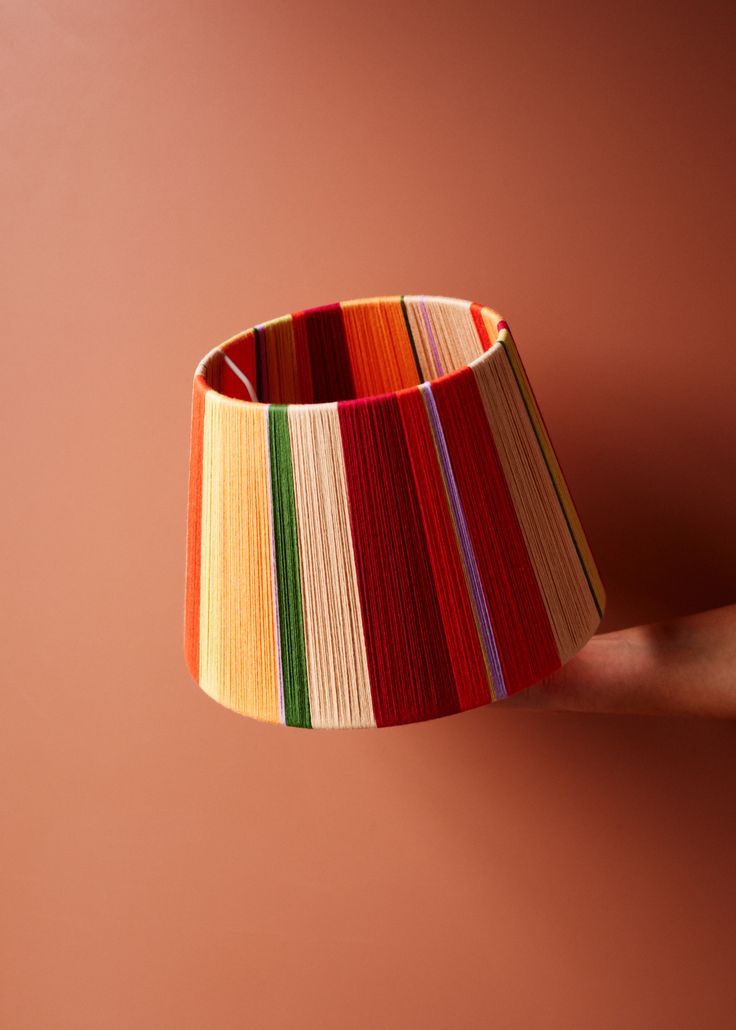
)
(222, 350)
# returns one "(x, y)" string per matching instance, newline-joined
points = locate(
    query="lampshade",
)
(379, 531)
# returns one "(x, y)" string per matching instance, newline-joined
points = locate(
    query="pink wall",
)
(173, 172)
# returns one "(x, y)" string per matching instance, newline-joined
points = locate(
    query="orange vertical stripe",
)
(194, 530)
(380, 350)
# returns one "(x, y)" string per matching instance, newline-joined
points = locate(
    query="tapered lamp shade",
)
(379, 530)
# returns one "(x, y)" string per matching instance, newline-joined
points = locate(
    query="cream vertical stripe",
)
(420, 338)
(567, 597)
(555, 471)
(455, 331)
(452, 332)
(339, 687)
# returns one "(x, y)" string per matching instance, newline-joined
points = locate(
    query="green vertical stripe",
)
(288, 578)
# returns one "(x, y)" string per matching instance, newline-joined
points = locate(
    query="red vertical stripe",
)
(408, 661)
(332, 377)
(477, 312)
(305, 392)
(523, 634)
(243, 354)
(194, 530)
(450, 583)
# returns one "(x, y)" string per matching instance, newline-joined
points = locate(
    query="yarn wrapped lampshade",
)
(379, 531)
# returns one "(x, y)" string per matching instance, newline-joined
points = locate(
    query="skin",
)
(684, 666)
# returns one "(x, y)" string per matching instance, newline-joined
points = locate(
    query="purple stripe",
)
(472, 572)
(277, 626)
(430, 334)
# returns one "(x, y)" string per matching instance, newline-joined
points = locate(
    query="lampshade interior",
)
(351, 350)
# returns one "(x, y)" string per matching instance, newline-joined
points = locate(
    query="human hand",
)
(684, 666)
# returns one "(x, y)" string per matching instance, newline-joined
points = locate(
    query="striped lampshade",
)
(379, 531)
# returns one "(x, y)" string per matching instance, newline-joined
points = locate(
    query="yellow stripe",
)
(238, 662)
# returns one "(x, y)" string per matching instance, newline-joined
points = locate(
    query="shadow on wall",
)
(572, 822)
(644, 485)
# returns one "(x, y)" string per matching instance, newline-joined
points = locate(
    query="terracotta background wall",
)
(173, 172)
